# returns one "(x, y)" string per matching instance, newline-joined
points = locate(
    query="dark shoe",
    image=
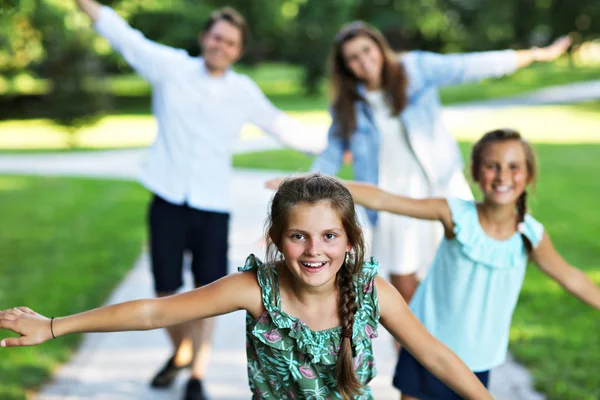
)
(194, 390)
(167, 374)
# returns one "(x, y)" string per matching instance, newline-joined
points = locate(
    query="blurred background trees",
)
(48, 53)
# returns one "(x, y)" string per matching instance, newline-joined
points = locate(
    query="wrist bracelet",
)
(51, 328)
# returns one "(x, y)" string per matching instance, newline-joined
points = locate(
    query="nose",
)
(313, 248)
(363, 61)
(502, 173)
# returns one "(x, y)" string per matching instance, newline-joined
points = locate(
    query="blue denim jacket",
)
(433, 145)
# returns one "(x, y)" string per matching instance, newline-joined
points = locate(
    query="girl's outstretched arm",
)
(397, 318)
(569, 277)
(548, 53)
(228, 294)
(375, 198)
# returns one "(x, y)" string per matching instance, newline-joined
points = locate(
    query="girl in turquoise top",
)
(468, 297)
(312, 309)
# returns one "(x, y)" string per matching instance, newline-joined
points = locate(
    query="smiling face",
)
(364, 58)
(503, 172)
(314, 244)
(221, 46)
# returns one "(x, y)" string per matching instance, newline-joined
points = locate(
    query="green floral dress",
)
(288, 360)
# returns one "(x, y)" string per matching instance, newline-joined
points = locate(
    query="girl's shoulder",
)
(266, 274)
(464, 212)
(464, 216)
(268, 282)
(364, 283)
(532, 229)
(479, 247)
(369, 270)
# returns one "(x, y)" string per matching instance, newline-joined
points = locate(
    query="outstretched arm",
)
(569, 277)
(548, 53)
(331, 158)
(228, 294)
(153, 61)
(289, 131)
(375, 198)
(458, 68)
(397, 318)
(90, 7)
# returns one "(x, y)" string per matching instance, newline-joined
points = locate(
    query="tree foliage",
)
(50, 39)
(42, 44)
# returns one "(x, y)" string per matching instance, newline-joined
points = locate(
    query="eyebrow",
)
(324, 230)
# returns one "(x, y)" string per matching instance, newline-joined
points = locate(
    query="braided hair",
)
(313, 189)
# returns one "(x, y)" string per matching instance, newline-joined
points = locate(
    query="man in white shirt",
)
(200, 105)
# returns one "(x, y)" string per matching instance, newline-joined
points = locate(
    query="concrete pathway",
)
(558, 94)
(119, 365)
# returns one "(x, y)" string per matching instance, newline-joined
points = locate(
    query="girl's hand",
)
(554, 50)
(33, 327)
(274, 183)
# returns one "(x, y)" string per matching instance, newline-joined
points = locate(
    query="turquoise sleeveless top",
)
(288, 360)
(468, 296)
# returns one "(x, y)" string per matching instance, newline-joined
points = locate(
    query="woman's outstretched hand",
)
(554, 50)
(274, 183)
(33, 327)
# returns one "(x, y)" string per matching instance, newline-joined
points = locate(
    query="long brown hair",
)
(501, 135)
(343, 83)
(313, 189)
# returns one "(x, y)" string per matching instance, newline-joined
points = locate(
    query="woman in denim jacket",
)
(387, 113)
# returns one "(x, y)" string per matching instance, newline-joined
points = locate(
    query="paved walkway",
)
(118, 366)
(558, 94)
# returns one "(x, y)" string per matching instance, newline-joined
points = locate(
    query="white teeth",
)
(502, 188)
(314, 264)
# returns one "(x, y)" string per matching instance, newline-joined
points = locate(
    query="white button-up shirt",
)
(199, 118)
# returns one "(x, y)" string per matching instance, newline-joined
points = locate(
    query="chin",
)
(317, 281)
(215, 66)
(503, 200)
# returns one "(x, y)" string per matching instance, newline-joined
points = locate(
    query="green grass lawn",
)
(66, 243)
(64, 246)
(554, 334)
(571, 123)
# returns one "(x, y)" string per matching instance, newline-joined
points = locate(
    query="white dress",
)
(402, 245)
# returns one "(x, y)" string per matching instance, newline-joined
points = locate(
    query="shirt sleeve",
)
(534, 230)
(275, 122)
(454, 69)
(151, 60)
(330, 160)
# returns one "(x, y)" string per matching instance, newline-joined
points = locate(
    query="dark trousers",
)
(175, 228)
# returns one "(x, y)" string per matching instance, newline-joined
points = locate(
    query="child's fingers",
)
(9, 315)
(16, 342)
(27, 323)
(8, 320)
(27, 310)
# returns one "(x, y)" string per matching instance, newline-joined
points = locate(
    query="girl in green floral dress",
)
(312, 309)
